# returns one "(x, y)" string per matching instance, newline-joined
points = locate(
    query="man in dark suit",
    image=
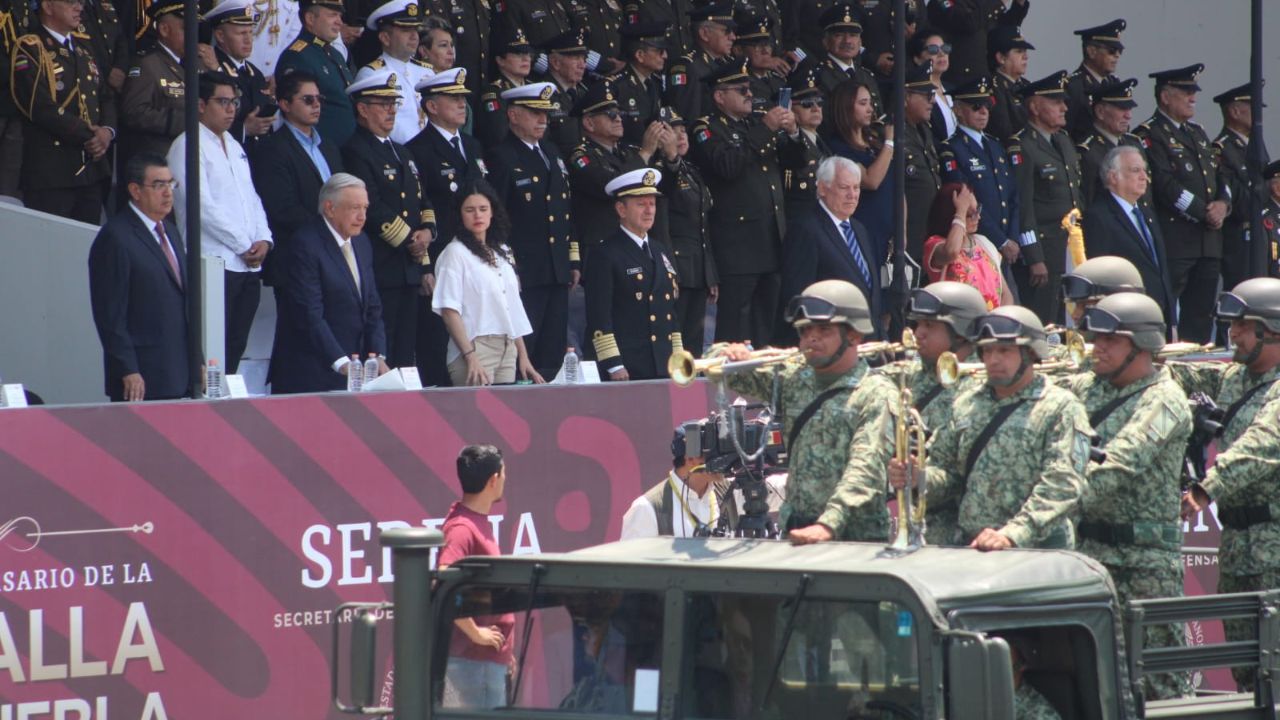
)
(290, 165)
(631, 304)
(533, 184)
(329, 314)
(447, 160)
(828, 244)
(1120, 223)
(402, 222)
(136, 287)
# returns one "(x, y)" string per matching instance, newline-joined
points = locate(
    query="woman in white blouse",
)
(478, 295)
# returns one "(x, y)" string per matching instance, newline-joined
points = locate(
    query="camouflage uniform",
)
(1029, 704)
(838, 463)
(942, 518)
(1137, 490)
(1245, 475)
(1030, 474)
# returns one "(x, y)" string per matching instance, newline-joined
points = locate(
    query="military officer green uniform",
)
(688, 74)
(1185, 181)
(673, 15)
(1008, 116)
(1026, 478)
(398, 211)
(800, 158)
(100, 28)
(956, 307)
(60, 91)
(631, 292)
(1271, 219)
(1101, 47)
(688, 206)
(540, 20)
(470, 20)
(1129, 512)
(322, 59)
(152, 104)
(15, 18)
(837, 458)
(639, 91)
(923, 166)
(1230, 148)
(1094, 148)
(564, 125)
(1048, 175)
(491, 119)
(844, 18)
(601, 21)
(753, 31)
(592, 166)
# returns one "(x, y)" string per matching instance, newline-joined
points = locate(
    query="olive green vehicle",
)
(727, 629)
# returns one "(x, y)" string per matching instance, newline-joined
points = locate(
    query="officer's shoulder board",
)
(1087, 143)
(377, 64)
(422, 63)
(298, 46)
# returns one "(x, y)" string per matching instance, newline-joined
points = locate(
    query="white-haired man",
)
(828, 244)
(330, 309)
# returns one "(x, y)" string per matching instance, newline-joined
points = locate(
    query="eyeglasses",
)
(999, 327)
(611, 113)
(160, 185)
(809, 104)
(1110, 49)
(1231, 306)
(1076, 288)
(974, 213)
(232, 102)
(385, 104)
(936, 49)
(311, 100)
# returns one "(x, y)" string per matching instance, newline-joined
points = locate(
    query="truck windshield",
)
(842, 659)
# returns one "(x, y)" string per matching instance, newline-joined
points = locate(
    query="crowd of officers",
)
(1030, 450)
(689, 89)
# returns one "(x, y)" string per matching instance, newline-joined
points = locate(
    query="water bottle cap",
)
(213, 361)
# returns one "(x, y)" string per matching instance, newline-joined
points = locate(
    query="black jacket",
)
(1108, 230)
(442, 174)
(536, 197)
(289, 185)
(139, 308)
(814, 250)
(631, 307)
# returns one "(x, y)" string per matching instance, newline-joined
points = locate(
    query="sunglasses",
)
(611, 113)
(809, 104)
(936, 49)
(311, 100)
(743, 90)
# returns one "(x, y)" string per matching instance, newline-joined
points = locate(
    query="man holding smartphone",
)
(233, 22)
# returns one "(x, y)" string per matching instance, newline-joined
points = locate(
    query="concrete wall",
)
(47, 339)
(1164, 34)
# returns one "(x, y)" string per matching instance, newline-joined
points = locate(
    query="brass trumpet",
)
(908, 346)
(908, 426)
(1181, 349)
(684, 368)
(950, 369)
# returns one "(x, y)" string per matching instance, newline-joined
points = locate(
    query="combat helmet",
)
(1100, 276)
(1131, 314)
(1255, 299)
(956, 304)
(1015, 325)
(832, 301)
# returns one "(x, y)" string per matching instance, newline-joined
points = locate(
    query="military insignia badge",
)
(680, 79)
(582, 161)
(703, 135)
(1080, 445)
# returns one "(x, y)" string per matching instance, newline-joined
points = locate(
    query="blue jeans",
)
(475, 684)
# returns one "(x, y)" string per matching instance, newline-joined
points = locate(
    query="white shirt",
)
(449, 136)
(410, 119)
(640, 520)
(231, 215)
(487, 297)
(945, 103)
(639, 241)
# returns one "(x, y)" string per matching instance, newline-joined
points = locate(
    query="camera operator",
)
(687, 503)
(836, 416)
(1247, 555)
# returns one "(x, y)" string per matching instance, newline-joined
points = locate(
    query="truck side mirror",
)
(980, 678)
(362, 656)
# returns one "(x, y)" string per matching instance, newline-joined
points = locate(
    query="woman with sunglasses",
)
(954, 250)
(929, 46)
(868, 141)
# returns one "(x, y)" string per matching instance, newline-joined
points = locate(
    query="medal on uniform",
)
(453, 187)
(60, 86)
(390, 172)
(639, 296)
(1190, 167)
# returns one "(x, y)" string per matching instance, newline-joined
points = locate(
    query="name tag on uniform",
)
(1048, 171)
(634, 271)
(523, 182)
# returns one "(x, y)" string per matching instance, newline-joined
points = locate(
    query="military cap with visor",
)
(636, 183)
(841, 18)
(1184, 79)
(397, 13)
(1053, 87)
(1108, 34)
(231, 12)
(535, 96)
(1115, 92)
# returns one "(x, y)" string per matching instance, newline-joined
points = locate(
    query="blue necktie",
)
(1145, 232)
(846, 229)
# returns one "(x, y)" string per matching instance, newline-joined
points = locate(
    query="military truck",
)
(734, 628)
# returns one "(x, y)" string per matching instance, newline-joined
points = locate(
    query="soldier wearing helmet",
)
(1015, 450)
(945, 316)
(1096, 278)
(1129, 510)
(834, 493)
(1248, 456)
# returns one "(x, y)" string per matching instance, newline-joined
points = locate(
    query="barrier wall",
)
(178, 560)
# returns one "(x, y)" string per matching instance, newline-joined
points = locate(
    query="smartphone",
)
(784, 98)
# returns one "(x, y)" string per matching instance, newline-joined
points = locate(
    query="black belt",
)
(1242, 518)
(1146, 534)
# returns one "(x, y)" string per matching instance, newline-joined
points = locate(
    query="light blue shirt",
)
(311, 146)
(977, 136)
(1128, 211)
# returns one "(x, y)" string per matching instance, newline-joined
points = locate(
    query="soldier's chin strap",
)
(1133, 354)
(1262, 339)
(832, 359)
(1027, 363)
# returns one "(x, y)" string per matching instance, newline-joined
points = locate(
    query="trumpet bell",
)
(948, 369)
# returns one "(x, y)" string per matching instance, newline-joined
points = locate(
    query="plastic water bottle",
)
(213, 380)
(355, 374)
(571, 373)
(371, 368)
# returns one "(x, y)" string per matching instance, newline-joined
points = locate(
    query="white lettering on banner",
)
(136, 625)
(1200, 525)
(39, 579)
(358, 542)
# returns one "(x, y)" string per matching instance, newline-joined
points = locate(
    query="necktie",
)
(846, 229)
(456, 142)
(350, 255)
(543, 155)
(1145, 232)
(169, 254)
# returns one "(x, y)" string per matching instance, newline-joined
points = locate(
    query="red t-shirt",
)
(465, 534)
